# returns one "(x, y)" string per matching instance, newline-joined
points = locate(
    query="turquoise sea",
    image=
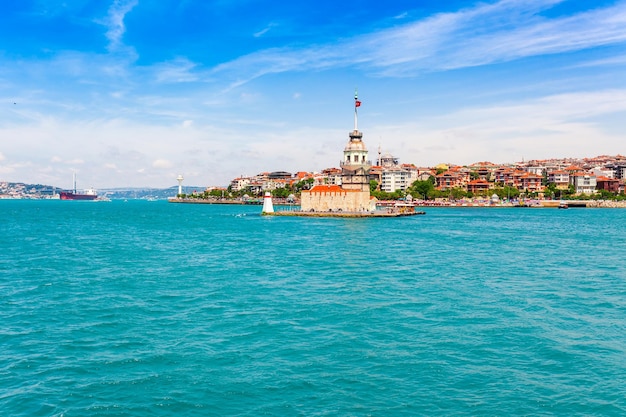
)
(156, 309)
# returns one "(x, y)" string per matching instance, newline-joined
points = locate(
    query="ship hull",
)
(72, 196)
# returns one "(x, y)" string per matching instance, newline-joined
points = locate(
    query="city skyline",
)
(134, 93)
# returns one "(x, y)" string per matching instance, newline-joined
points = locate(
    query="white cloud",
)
(554, 126)
(162, 164)
(130, 153)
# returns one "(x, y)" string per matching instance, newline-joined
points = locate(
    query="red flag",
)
(357, 103)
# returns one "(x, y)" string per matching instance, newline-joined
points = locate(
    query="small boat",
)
(563, 205)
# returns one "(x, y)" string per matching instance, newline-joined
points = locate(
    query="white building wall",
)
(584, 184)
(393, 180)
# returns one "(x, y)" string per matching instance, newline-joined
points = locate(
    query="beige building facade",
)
(327, 198)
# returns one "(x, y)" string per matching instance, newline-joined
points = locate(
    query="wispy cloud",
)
(178, 70)
(115, 22)
(264, 30)
(488, 33)
(616, 60)
(401, 15)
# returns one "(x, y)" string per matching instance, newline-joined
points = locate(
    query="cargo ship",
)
(89, 194)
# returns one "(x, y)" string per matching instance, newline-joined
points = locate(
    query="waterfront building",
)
(560, 178)
(584, 183)
(478, 186)
(394, 179)
(390, 175)
(530, 182)
(484, 170)
(413, 172)
(504, 176)
(354, 193)
(452, 178)
(239, 183)
(608, 184)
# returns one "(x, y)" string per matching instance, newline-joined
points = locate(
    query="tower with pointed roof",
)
(354, 193)
(355, 165)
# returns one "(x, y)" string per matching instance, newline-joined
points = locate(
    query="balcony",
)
(342, 163)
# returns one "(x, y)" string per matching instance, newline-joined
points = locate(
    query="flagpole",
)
(356, 99)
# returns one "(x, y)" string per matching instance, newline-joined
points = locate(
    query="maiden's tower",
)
(354, 193)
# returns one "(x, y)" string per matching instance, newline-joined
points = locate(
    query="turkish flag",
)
(357, 103)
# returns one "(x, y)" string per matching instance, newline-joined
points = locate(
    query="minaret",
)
(180, 184)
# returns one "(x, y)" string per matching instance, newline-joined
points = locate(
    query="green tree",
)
(570, 191)
(551, 190)
(217, 193)
(604, 195)
(281, 192)
(304, 185)
(457, 193)
(421, 189)
(506, 192)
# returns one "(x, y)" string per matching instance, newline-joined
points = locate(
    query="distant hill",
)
(145, 193)
(18, 189)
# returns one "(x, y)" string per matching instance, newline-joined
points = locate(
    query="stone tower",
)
(355, 166)
(353, 196)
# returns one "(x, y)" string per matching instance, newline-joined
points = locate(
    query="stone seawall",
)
(606, 204)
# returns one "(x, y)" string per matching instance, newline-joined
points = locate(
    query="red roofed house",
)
(560, 178)
(451, 179)
(608, 184)
(531, 182)
(478, 186)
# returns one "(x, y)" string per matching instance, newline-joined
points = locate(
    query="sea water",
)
(156, 309)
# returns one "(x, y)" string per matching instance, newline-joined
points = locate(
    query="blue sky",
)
(135, 92)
